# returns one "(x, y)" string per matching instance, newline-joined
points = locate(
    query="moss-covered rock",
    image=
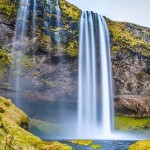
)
(123, 38)
(82, 142)
(8, 8)
(141, 145)
(5, 64)
(133, 124)
(95, 146)
(14, 137)
(86, 143)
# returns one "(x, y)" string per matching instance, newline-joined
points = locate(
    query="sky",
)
(134, 11)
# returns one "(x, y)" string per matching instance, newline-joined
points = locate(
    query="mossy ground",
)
(133, 124)
(82, 142)
(141, 145)
(86, 143)
(14, 137)
(141, 125)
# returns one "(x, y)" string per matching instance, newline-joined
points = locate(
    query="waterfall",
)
(19, 41)
(34, 25)
(106, 77)
(47, 19)
(58, 25)
(91, 92)
(21, 23)
(34, 18)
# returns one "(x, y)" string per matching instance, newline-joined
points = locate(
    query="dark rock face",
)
(130, 74)
(52, 80)
(50, 76)
(6, 32)
(132, 105)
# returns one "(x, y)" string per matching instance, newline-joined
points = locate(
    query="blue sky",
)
(134, 11)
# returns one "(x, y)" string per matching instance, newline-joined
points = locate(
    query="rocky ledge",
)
(132, 105)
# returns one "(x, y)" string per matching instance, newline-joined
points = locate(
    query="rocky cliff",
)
(51, 75)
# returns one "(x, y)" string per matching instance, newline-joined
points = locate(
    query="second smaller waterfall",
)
(34, 18)
(58, 25)
(18, 46)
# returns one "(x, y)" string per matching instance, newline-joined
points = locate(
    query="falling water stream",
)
(58, 25)
(88, 93)
(19, 43)
(34, 18)
(106, 78)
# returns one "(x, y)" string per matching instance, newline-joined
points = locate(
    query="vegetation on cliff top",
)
(70, 10)
(13, 135)
(123, 37)
(123, 34)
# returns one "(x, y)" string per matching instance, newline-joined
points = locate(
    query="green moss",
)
(141, 145)
(13, 136)
(116, 48)
(86, 143)
(45, 43)
(27, 63)
(5, 64)
(9, 8)
(2, 110)
(8, 103)
(82, 142)
(121, 37)
(133, 124)
(72, 49)
(95, 146)
(70, 10)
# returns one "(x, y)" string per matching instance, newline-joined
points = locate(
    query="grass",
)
(87, 143)
(122, 38)
(141, 145)
(95, 146)
(133, 124)
(82, 142)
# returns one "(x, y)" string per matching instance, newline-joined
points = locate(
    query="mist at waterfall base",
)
(92, 117)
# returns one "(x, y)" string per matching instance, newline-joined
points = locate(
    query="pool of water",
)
(106, 145)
